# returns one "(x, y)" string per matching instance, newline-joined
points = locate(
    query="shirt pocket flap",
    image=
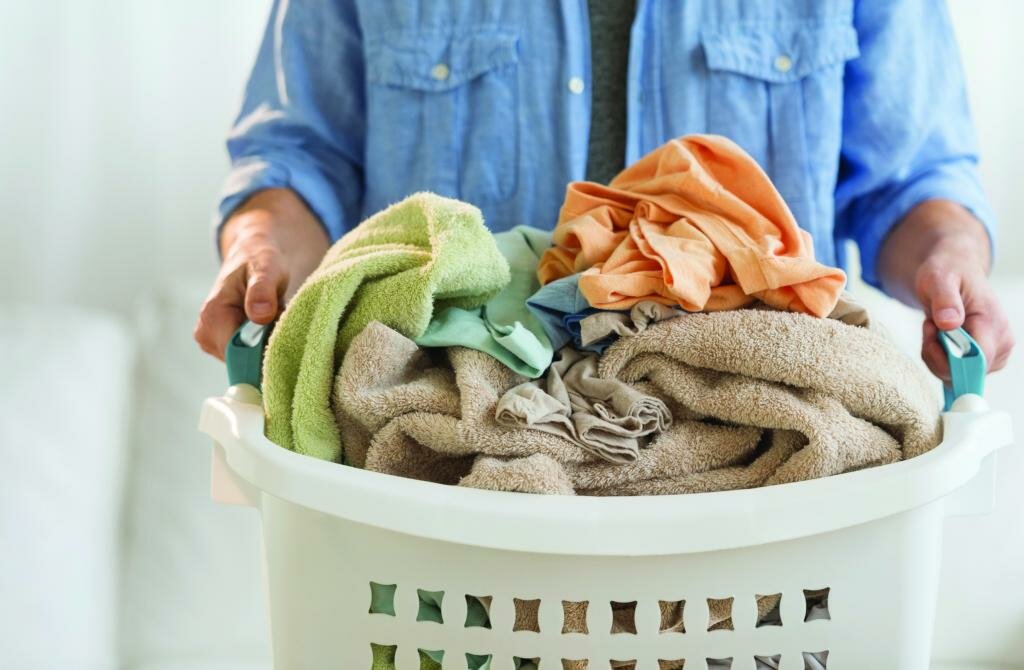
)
(427, 61)
(779, 54)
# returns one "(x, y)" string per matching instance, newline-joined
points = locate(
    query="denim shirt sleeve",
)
(907, 131)
(302, 120)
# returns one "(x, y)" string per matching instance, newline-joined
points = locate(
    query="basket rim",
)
(602, 526)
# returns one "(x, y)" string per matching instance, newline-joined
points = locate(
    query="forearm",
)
(938, 233)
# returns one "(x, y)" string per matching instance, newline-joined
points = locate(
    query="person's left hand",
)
(954, 291)
(938, 257)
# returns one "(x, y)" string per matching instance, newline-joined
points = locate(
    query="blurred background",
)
(112, 118)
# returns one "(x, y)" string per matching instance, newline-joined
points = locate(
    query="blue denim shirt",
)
(856, 109)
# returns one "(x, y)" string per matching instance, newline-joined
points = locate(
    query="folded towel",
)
(601, 328)
(606, 417)
(695, 223)
(757, 397)
(504, 327)
(397, 267)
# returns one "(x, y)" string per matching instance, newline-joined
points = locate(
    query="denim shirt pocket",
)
(443, 113)
(765, 81)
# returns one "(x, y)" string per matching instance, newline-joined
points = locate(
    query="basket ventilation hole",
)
(671, 664)
(817, 604)
(623, 617)
(383, 655)
(719, 663)
(477, 661)
(382, 598)
(430, 606)
(720, 614)
(622, 665)
(477, 614)
(765, 662)
(525, 663)
(574, 617)
(572, 664)
(427, 656)
(672, 617)
(815, 660)
(527, 615)
(773, 617)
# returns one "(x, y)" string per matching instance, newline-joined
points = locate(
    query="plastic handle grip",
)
(244, 354)
(966, 365)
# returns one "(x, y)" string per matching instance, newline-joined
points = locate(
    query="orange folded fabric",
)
(695, 223)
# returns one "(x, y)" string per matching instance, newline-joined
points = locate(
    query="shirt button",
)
(783, 63)
(576, 85)
(440, 72)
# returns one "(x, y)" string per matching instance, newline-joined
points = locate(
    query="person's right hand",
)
(270, 245)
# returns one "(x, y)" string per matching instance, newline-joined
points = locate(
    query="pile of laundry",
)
(673, 334)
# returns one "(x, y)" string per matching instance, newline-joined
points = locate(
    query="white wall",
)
(989, 33)
(111, 127)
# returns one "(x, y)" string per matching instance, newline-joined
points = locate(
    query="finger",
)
(992, 333)
(218, 320)
(932, 352)
(266, 282)
(940, 295)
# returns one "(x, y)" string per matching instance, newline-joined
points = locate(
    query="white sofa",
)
(114, 556)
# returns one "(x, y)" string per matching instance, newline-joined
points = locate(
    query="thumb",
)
(940, 295)
(266, 282)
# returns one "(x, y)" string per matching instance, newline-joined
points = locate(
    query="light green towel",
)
(504, 327)
(422, 254)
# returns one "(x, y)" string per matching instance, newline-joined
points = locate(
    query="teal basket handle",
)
(244, 354)
(966, 365)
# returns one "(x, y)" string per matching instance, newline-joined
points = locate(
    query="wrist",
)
(948, 230)
(275, 218)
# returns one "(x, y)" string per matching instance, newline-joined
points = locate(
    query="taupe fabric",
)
(850, 311)
(600, 325)
(606, 417)
(757, 396)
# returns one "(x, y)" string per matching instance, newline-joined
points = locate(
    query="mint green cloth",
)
(503, 328)
(422, 254)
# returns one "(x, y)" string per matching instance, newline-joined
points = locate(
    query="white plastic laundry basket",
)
(872, 538)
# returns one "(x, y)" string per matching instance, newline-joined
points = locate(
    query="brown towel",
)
(606, 417)
(758, 397)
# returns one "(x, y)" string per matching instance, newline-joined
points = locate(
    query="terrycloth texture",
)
(504, 327)
(757, 397)
(396, 267)
(604, 327)
(695, 223)
(600, 328)
(606, 417)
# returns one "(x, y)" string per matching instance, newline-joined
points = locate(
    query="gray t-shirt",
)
(610, 24)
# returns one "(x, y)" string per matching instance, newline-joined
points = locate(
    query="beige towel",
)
(758, 397)
(606, 417)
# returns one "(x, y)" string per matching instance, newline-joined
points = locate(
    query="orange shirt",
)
(695, 223)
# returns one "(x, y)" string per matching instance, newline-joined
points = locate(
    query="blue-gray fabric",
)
(856, 109)
(560, 307)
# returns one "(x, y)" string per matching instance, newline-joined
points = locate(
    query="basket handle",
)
(967, 365)
(244, 354)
